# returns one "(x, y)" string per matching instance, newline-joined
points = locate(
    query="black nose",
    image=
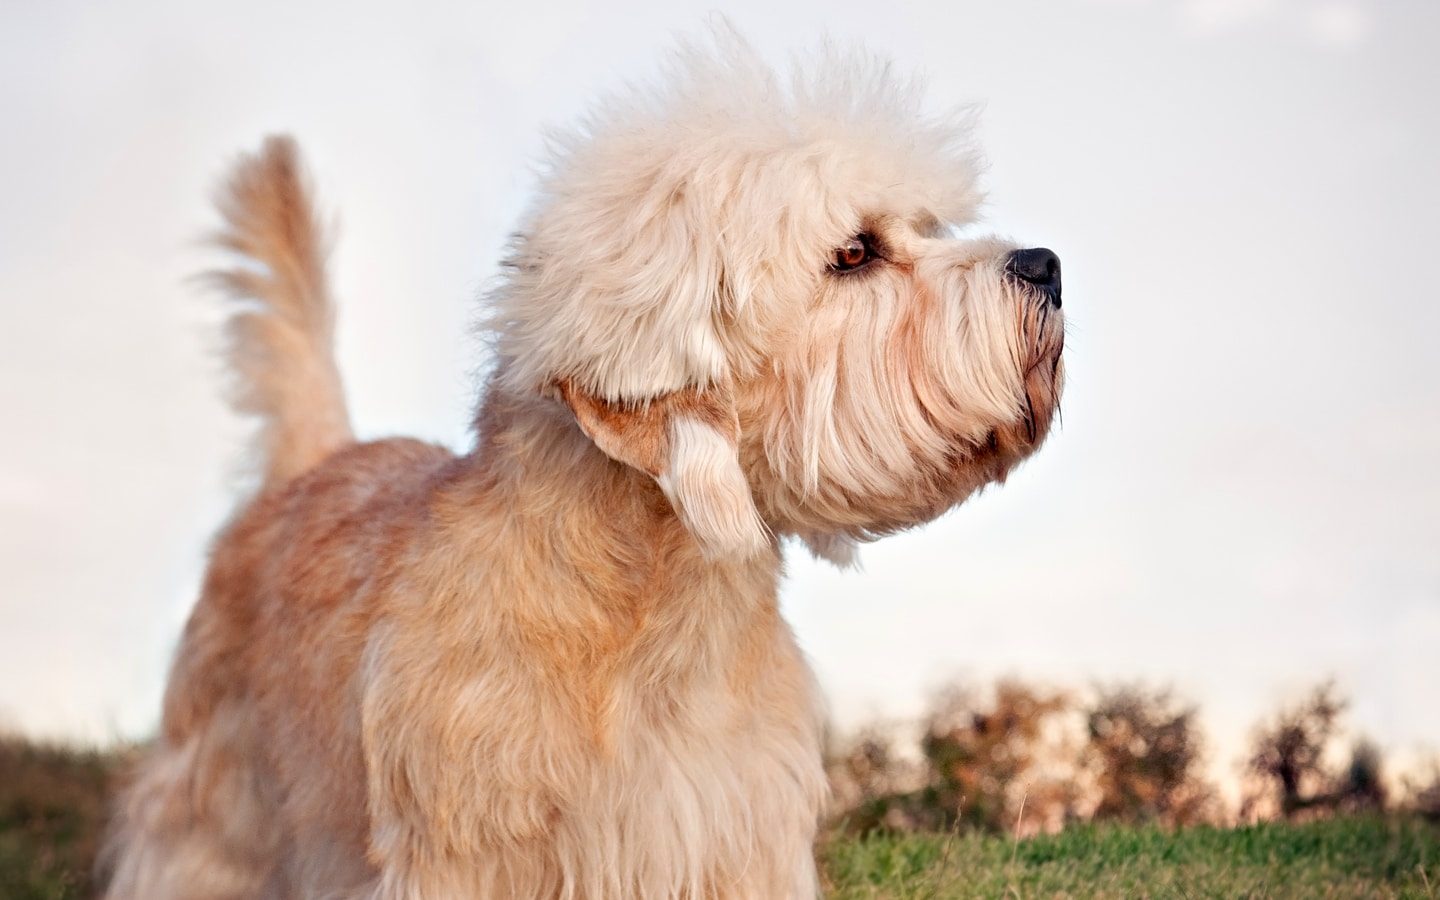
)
(1040, 267)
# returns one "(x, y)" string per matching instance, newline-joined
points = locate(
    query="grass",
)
(53, 801)
(1371, 857)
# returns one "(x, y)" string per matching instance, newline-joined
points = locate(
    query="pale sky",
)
(1243, 498)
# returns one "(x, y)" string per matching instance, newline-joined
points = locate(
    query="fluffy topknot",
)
(682, 223)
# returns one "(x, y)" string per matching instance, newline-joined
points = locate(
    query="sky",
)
(1243, 498)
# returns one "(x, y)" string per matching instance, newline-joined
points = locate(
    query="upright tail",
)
(280, 339)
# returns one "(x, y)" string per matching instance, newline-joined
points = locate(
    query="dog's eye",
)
(854, 253)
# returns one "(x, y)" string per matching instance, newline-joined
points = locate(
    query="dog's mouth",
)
(1029, 282)
(1043, 334)
(1040, 348)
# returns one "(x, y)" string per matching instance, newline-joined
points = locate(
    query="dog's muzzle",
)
(1039, 268)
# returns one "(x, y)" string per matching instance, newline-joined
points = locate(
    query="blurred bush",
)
(997, 761)
(53, 803)
(1143, 752)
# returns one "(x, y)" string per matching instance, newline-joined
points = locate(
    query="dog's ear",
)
(686, 440)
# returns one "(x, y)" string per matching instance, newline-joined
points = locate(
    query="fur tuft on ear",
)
(687, 441)
(709, 491)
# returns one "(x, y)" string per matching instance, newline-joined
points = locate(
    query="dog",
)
(554, 666)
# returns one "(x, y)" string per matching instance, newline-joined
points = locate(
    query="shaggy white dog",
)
(554, 667)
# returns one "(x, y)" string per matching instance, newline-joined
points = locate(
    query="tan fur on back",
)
(554, 667)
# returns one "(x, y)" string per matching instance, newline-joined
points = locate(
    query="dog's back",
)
(200, 818)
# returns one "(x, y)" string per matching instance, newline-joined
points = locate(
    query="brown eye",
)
(853, 254)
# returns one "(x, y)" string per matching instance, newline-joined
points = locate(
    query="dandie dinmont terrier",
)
(554, 667)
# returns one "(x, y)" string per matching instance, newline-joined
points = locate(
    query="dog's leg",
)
(192, 824)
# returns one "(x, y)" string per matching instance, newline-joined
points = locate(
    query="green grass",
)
(53, 801)
(1358, 857)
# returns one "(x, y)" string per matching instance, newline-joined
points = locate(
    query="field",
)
(1358, 857)
(52, 801)
(52, 804)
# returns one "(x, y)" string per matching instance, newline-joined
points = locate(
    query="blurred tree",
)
(1289, 751)
(988, 760)
(1289, 754)
(1143, 753)
(995, 764)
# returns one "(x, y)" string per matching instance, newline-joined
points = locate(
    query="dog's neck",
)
(607, 526)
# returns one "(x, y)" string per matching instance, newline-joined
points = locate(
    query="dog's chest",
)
(699, 768)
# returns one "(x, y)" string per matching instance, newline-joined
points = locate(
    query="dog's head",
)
(752, 293)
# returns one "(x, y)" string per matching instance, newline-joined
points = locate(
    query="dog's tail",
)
(279, 343)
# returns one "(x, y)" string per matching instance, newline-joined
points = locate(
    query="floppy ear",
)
(686, 440)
